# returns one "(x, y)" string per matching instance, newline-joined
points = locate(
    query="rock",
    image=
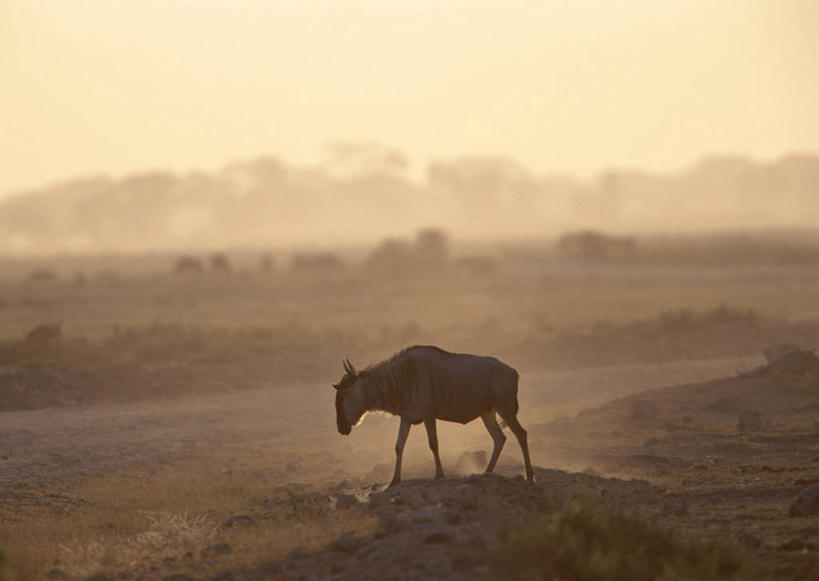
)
(178, 577)
(216, 550)
(346, 501)
(223, 576)
(807, 503)
(751, 421)
(236, 522)
(57, 575)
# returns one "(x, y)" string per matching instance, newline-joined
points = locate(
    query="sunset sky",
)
(97, 86)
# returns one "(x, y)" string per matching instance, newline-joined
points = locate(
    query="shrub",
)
(588, 539)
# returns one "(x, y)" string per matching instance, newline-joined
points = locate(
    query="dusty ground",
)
(43, 446)
(673, 455)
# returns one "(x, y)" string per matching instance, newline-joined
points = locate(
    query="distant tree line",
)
(364, 193)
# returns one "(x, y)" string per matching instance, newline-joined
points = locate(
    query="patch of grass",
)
(588, 539)
(159, 522)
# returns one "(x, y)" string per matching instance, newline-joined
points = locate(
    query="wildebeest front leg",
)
(432, 435)
(403, 432)
(497, 437)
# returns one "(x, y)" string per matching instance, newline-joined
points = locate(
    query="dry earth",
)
(674, 455)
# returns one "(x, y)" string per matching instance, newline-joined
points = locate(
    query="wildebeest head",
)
(346, 417)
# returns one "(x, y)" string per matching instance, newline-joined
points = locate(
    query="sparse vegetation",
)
(172, 518)
(588, 539)
(279, 337)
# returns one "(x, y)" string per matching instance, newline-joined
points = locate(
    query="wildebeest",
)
(425, 384)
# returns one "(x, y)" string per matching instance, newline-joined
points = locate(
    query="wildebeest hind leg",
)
(432, 435)
(511, 420)
(497, 437)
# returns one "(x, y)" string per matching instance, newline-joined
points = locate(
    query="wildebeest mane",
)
(390, 385)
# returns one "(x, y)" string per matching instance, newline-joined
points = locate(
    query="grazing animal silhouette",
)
(425, 384)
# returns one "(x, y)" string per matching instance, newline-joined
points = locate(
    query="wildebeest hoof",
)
(393, 483)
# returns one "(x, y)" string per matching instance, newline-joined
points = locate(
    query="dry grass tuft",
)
(162, 523)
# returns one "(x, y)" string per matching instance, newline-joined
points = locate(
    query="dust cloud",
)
(363, 192)
(169, 339)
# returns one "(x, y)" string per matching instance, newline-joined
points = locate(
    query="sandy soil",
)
(51, 444)
(665, 441)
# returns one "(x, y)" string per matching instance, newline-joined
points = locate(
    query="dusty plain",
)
(173, 426)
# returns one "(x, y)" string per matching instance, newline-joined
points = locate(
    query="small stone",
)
(57, 575)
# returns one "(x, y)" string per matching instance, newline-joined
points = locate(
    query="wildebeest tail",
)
(503, 425)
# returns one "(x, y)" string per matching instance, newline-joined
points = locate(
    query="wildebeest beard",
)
(344, 426)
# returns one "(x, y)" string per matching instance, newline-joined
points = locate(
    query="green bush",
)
(590, 540)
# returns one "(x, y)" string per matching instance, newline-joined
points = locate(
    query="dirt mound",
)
(795, 366)
(442, 529)
(776, 389)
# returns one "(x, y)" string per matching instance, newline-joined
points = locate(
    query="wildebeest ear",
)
(337, 385)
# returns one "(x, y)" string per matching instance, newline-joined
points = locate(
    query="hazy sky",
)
(115, 86)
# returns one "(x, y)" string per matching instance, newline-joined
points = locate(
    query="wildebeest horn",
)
(348, 367)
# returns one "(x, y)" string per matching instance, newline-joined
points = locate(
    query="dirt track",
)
(51, 444)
